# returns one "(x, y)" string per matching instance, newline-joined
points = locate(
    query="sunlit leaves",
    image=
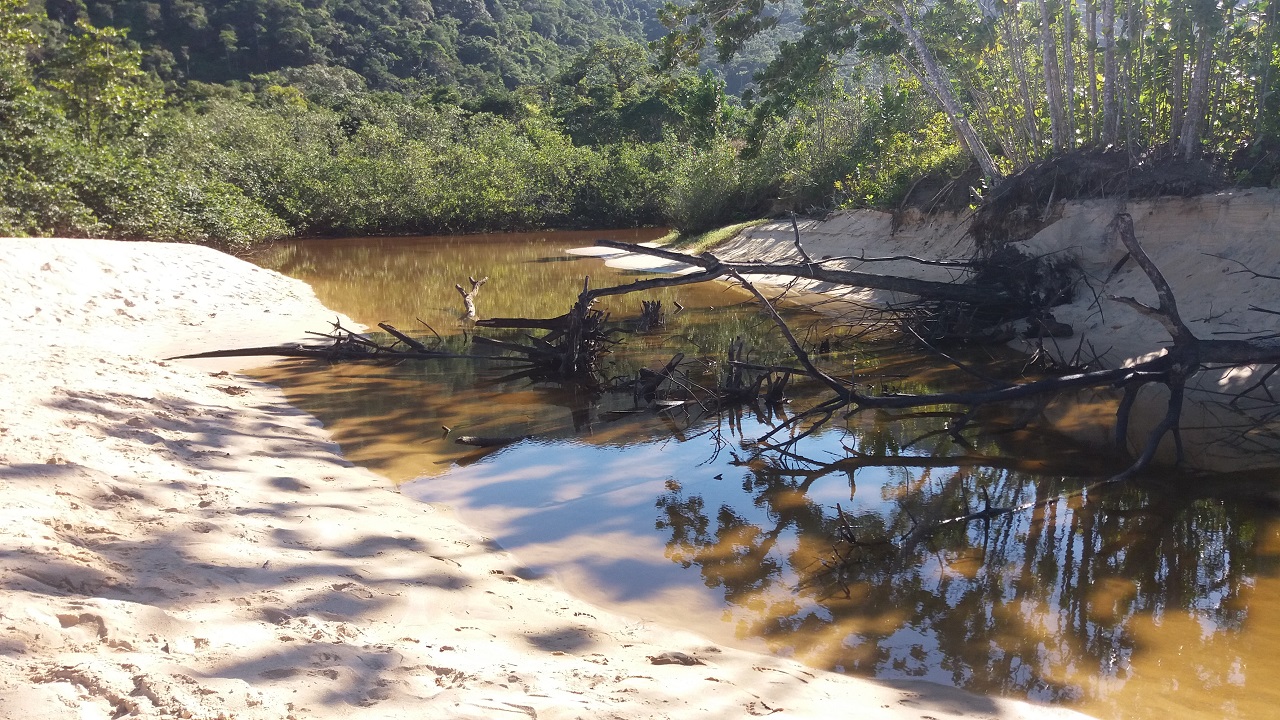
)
(101, 85)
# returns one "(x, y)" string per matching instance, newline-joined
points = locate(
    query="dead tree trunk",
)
(714, 268)
(576, 341)
(647, 383)
(651, 315)
(469, 297)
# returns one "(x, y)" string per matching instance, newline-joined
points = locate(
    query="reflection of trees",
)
(375, 404)
(1043, 602)
(1038, 603)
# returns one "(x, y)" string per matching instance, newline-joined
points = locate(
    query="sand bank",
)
(180, 542)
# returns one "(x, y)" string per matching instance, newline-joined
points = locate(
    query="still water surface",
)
(1151, 601)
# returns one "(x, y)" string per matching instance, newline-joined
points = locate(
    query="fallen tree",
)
(572, 344)
(1186, 356)
(344, 344)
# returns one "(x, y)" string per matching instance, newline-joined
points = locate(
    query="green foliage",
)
(82, 153)
(100, 85)
(711, 185)
(1192, 76)
(328, 126)
(702, 192)
(696, 243)
(901, 141)
(394, 44)
(382, 165)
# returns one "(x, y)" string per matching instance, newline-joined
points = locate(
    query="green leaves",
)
(394, 44)
(100, 84)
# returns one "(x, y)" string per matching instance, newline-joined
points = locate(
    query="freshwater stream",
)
(1154, 600)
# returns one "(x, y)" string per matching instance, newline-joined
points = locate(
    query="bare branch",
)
(964, 264)
(590, 296)
(799, 248)
(1244, 268)
(1122, 226)
(840, 389)
(814, 271)
(469, 297)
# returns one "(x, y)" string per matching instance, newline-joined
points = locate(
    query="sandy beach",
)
(177, 541)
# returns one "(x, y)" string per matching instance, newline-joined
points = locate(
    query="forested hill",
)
(394, 44)
(235, 121)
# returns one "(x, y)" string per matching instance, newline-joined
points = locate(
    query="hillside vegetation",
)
(392, 44)
(235, 122)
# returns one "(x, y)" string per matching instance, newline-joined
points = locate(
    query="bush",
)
(704, 187)
(894, 160)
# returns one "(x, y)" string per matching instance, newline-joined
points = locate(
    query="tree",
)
(1053, 77)
(1207, 20)
(36, 165)
(102, 86)
(902, 19)
(732, 24)
(16, 84)
(1195, 76)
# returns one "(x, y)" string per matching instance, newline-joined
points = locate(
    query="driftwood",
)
(403, 338)
(329, 352)
(651, 315)
(574, 343)
(555, 323)
(646, 386)
(347, 345)
(487, 442)
(572, 349)
(714, 268)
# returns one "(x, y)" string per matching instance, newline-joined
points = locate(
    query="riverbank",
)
(177, 541)
(1218, 253)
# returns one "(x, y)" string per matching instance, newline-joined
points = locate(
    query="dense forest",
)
(235, 122)
(392, 44)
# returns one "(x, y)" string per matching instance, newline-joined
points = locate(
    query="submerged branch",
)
(840, 389)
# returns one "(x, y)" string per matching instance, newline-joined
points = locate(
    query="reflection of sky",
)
(588, 513)
(1140, 602)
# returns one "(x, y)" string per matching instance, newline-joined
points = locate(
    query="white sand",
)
(181, 543)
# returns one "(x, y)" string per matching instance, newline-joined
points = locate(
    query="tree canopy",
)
(1020, 81)
(233, 122)
(394, 44)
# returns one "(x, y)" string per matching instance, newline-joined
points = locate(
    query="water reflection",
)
(1141, 601)
(403, 279)
(1127, 601)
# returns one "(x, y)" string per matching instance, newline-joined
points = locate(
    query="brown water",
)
(1155, 600)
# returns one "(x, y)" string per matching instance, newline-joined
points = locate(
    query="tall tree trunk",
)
(1069, 67)
(1178, 103)
(1091, 40)
(1217, 105)
(1149, 115)
(940, 85)
(1110, 75)
(1266, 50)
(1017, 62)
(1197, 98)
(1052, 79)
(1131, 112)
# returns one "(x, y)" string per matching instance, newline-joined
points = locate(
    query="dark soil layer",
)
(1024, 203)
